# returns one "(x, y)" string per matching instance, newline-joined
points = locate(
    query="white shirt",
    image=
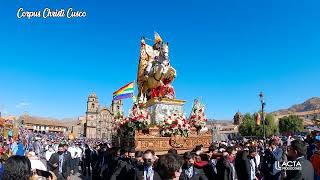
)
(252, 169)
(37, 164)
(79, 152)
(257, 157)
(72, 151)
(48, 154)
(148, 171)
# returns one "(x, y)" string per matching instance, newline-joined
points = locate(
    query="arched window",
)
(92, 105)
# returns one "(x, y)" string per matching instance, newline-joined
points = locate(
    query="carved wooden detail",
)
(151, 139)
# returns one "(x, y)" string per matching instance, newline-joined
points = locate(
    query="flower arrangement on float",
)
(197, 117)
(139, 117)
(175, 124)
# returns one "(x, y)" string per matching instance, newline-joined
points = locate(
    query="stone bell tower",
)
(237, 118)
(116, 107)
(91, 116)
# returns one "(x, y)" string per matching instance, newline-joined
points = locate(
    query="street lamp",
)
(262, 116)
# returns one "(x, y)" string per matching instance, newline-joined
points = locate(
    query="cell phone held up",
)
(42, 173)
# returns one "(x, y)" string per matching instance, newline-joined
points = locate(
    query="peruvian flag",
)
(258, 119)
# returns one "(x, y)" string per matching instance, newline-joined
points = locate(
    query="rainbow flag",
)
(124, 92)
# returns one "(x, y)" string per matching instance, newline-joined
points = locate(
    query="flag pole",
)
(133, 87)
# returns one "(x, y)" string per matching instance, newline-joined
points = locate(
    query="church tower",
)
(237, 118)
(92, 103)
(91, 116)
(116, 107)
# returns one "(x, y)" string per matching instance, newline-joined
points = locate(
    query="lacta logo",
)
(288, 165)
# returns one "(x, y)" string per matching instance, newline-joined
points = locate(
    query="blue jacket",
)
(20, 151)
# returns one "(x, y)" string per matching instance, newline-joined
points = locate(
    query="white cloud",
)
(22, 105)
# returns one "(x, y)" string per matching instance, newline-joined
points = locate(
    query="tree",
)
(290, 124)
(249, 127)
(270, 126)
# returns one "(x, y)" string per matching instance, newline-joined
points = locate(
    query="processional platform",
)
(142, 140)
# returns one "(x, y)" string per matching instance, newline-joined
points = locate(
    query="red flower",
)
(173, 125)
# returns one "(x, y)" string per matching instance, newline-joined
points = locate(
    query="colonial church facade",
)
(99, 119)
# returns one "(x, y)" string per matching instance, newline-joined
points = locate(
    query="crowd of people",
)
(98, 160)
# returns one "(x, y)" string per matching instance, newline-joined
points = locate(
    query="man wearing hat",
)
(296, 152)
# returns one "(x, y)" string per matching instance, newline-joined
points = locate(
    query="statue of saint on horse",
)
(155, 73)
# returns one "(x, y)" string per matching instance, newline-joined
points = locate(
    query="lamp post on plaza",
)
(262, 117)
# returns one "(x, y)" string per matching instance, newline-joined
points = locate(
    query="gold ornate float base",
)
(152, 140)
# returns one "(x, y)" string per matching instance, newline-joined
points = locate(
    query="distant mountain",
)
(65, 121)
(309, 105)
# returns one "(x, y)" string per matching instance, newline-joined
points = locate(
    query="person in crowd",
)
(73, 152)
(6, 152)
(311, 148)
(130, 157)
(189, 172)
(101, 163)
(170, 166)
(198, 149)
(297, 152)
(19, 168)
(36, 146)
(210, 169)
(20, 151)
(242, 165)
(14, 148)
(94, 157)
(138, 159)
(77, 158)
(49, 153)
(315, 160)
(253, 163)
(59, 163)
(86, 160)
(225, 168)
(66, 147)
(35, 161)
(123, 170)
(1, 168)
(147, 171)
(272, 155)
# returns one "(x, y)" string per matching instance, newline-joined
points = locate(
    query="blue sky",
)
(225, 52)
